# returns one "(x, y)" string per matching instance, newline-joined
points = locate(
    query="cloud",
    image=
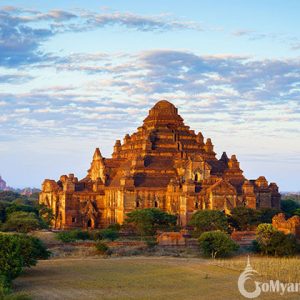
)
(19, 42)
(15, 78)
(138, 22)
(23, 31)
(250, 96)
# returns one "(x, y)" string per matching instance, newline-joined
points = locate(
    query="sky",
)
(76, 75)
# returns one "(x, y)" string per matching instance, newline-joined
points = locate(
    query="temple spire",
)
(97, 154)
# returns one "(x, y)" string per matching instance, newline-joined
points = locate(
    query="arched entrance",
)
(89, 223)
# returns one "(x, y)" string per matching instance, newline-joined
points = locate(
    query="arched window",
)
(137, 203)
(155, 203)
(197, 176)
(196, 205)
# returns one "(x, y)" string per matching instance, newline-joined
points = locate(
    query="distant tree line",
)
(22, 213)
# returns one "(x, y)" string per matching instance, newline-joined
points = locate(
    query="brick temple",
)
(163, 164)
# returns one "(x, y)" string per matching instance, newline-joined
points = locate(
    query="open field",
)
(286, 269)
(132, 278)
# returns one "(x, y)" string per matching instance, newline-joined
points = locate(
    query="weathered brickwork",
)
(288, 226)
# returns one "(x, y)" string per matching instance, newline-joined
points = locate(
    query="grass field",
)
(131, 278)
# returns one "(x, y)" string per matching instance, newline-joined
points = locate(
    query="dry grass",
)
(131, 278)
(284, 269)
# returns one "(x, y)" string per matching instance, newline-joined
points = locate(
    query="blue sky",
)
(75, 75)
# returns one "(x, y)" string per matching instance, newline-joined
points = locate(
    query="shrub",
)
(114, 226)
(103, 248)
(216, 244)
(32, 249)
(151, 242)
(79, 234)
(208, 220)
(21, 221)
(96, 235)
(109, 234)
(65, 236)
(73, 235)
(270, 241)
(147, 221)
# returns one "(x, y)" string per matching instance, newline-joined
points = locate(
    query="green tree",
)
(8, 196)
(270, 241)
(16, 252)
(265, 215)
(297, 212)
(46, 214)
(216, 244)
(242, 218)
(11, 260)
(21, 221)
(3, 207)
(32, 249)
(20, 207)
(264, 233)
(289, 207)
(147, 221)
(208, 220)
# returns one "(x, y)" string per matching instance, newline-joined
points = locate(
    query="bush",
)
(147, 221)
(96, 235)
(109, 234)
(151, 242)
(79, 234)
(208, 220)
(21, 221)
(103, 248)
(73, 235)
(32, 249)
(65, 236)
(114, 226)
(216, 244)
(270, 241)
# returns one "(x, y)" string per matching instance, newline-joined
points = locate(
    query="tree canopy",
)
(242, 218)
(216, 244)
(270, 241)
(147, 221)
(209, 220)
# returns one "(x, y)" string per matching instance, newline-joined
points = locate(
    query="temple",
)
(163, 164)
